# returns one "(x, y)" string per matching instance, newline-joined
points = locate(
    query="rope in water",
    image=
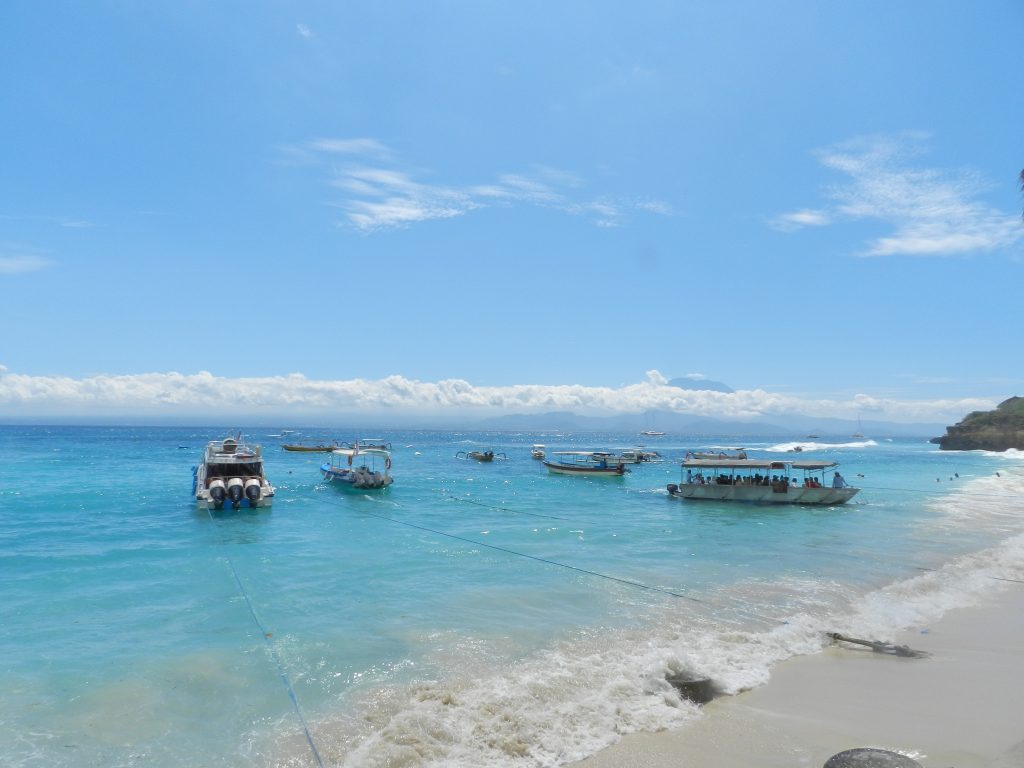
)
(559, 564)
(501, 509)
(273, 655)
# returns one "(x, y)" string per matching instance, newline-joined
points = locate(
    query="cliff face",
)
(995, 430)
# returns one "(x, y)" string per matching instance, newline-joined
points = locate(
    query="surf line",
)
(273, 655)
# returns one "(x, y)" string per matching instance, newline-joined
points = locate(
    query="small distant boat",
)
(537, 450)
(859, 434)
(360, 467)
(758, 480)
(483, 456)
(312, 446)
(637, 455)
(598, 463)
(231, 472)
(652, 433)
(812, 437)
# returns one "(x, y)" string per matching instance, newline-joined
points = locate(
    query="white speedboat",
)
(363, 466)
(598, 463)
(768, 480)
(537, 450)
(231, 472)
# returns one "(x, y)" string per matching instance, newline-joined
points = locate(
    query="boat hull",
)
(562, 469)
(764, 494)
(348, 480)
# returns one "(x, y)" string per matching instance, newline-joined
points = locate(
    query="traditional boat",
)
(770, 480)
(537, 450)
(312, 446)
(359, 467)
(484, 456)
(231, 472)
(739, 453)
(598, 463)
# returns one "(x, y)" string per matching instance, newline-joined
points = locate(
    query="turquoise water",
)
(472, 614)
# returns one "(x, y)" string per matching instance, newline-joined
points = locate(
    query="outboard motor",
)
(236, 491)
(672, 489)
(217, 493)
(252, 490)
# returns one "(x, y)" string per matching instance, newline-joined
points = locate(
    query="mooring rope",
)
(461, 500)
(273, 655)
(566, 566)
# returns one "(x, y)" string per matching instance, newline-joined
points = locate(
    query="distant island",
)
(997, 430)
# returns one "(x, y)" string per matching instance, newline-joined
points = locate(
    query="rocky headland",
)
(997, 430)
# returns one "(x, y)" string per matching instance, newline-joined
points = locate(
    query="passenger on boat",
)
(838, 481)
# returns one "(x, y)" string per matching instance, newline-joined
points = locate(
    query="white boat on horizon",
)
(761, 480)
(652, 433)
(600, 463)
(231, 472)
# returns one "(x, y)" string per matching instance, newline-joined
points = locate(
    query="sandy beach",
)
(961, 707)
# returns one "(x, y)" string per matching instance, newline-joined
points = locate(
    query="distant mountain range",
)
(675, 423)
(706, 384)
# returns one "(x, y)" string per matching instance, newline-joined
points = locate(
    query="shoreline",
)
(958, 707)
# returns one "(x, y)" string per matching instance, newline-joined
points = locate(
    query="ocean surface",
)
(470, 615)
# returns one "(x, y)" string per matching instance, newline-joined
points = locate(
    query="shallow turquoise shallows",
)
(470, 615)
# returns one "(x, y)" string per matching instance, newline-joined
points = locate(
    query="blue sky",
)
(511, 206)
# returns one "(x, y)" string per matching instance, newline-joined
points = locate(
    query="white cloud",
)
(381, 196)
(303, 30)
(362, 147)
(931, 212)
(20, 264)
(176, 394)
(790, 222)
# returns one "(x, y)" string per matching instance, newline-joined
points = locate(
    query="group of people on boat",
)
(838, 481)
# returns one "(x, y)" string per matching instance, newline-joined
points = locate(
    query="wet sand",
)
(961, 707)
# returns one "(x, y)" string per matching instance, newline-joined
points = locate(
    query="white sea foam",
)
(572, 700)
(806, 446)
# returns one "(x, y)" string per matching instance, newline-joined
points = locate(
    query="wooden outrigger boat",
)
(362, 466)
(312, 446)
(483, 456)
(761, 480)
(599, 463)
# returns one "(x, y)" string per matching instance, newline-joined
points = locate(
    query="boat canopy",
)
(769, 464)
(581, 453)
(361, 452)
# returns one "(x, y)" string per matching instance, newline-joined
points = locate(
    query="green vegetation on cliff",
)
(996, 430)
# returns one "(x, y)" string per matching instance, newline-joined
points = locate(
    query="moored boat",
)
(231, 472)
(359, 467)
(739, 453)
(758, 480)
(598, 463)
(483, 456)
(312, 446)
(537, 450)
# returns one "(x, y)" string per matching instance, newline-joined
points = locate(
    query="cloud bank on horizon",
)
(183, 395)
